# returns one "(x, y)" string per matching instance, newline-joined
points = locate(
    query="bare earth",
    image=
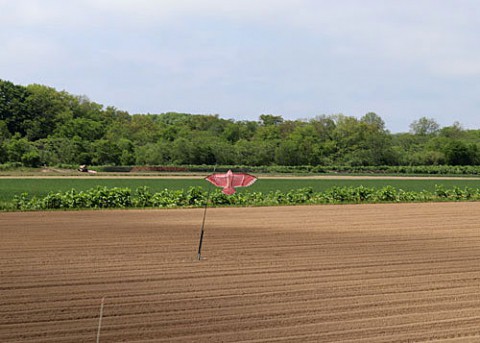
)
(351, 273)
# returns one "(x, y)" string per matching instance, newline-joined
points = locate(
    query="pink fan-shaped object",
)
(229, 181)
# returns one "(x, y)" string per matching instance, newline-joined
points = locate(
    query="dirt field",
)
(351, 273)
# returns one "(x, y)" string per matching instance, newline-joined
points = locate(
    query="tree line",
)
(42, 126)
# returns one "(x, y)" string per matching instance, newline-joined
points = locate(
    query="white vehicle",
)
(84, 169)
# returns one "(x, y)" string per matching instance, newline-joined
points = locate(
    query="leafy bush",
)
(10, 166)
(143, 197)
(31, 159)
(386, 194)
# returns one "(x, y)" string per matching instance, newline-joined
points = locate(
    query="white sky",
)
(242, 58)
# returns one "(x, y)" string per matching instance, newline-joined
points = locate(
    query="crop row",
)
(409, 170)
(142, 197)
(274, 169)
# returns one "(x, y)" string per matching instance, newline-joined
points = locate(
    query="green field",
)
(41, 187)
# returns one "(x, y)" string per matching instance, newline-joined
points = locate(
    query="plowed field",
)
(351, 273)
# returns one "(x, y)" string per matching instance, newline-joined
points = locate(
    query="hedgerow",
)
(103, 197)
(338, 169)
(304, 169)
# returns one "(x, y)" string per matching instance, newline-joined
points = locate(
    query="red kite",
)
(230, 181)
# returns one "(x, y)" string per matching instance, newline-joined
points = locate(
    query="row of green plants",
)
(275, 169)
(143, 197)
(409, 170)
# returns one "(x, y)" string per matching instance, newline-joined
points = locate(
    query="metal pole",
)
(199, 254)
(100, 320)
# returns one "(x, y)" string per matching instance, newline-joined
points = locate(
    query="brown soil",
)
(351, 273)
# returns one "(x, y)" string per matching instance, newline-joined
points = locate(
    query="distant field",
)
(40, 187)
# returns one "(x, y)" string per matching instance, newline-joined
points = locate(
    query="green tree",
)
(362, 142)
(288, 154)
(308, 146)
(377, 142)
(459, 153)
(144, 129)
(45, 107)
(12, 106)
(105, 153)
(424, 126)
(232, 132)
(454, 132)
(127, 151)
(324, 127)
(81, 106)
(374, 121)
(267, 133)
(4, 133)
(16, 147)
(150, 154)
(32, 159)
(19, 149)
(86, 129)
(182, 151)
(223, 152)
(255, 153)
(270, 119)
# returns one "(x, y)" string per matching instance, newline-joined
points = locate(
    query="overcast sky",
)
(242, 58)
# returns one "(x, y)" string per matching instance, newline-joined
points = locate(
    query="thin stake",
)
(100, 320)
(199, 255)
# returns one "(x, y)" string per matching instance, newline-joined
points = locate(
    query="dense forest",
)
(42, 126)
